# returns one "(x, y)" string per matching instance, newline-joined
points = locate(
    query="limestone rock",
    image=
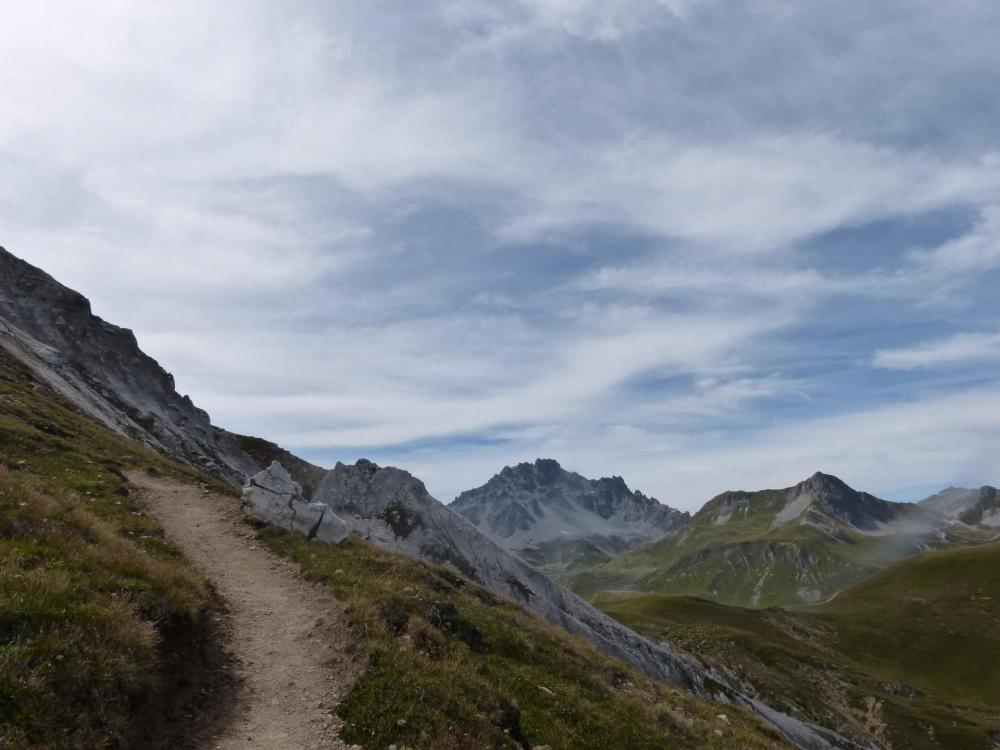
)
(273, 497)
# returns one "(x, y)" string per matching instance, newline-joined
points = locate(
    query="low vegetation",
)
(452, 666)
(905, 658)
(105, 631)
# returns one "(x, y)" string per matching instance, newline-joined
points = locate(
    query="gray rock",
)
(273, 497)
(558, 519)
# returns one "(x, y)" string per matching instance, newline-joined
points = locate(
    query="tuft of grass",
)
(450, 665)
(105, 630)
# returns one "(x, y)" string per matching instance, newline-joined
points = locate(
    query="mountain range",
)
(795, 545)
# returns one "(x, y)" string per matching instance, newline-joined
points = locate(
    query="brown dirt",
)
(288, 640)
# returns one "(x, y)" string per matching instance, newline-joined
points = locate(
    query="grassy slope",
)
(105, 631)
(909, 655)
(451, 666)
(744, 561)
(101, 622)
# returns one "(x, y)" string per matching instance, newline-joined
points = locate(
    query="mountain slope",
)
(107, 634)
(904, 658)
(452, 666)
(100, 368)
(558, 520)
(393, 510)
(773, 547)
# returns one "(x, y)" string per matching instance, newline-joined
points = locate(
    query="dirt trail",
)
(288, 639)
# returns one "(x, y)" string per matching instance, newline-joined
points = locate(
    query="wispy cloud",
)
(961, 348)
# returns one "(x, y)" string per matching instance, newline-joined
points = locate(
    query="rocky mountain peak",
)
(824, 483)
(541, 503)
(825, 495)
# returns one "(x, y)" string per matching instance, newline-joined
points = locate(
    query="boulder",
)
(273, 497)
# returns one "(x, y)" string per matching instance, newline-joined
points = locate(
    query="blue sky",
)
(701, 244)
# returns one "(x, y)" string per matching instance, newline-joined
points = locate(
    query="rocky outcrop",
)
(99, 368)
(971, 507)
(393, 510)
(273, 497)
(560, 520)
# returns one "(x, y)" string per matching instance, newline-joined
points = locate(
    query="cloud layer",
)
(701, 244)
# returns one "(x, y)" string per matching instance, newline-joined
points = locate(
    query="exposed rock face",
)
(558, 520)
(100, 368)
(967, 506)
(393, 510)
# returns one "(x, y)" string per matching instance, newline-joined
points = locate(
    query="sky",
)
(700, 244)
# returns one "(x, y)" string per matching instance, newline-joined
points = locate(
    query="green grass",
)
(452, 666)
(907, 656)
(943, 602)
(103, 625)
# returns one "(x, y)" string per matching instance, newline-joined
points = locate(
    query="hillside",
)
(107, 634)
(560, 521)
(776, 547)
(905, 658)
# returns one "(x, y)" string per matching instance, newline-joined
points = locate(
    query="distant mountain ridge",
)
(777, 547)
(557, 519)
(972, 507)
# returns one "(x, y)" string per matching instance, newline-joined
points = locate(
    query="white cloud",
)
(959, 349)
(753, 195)
(402, 394)
(975, 251)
